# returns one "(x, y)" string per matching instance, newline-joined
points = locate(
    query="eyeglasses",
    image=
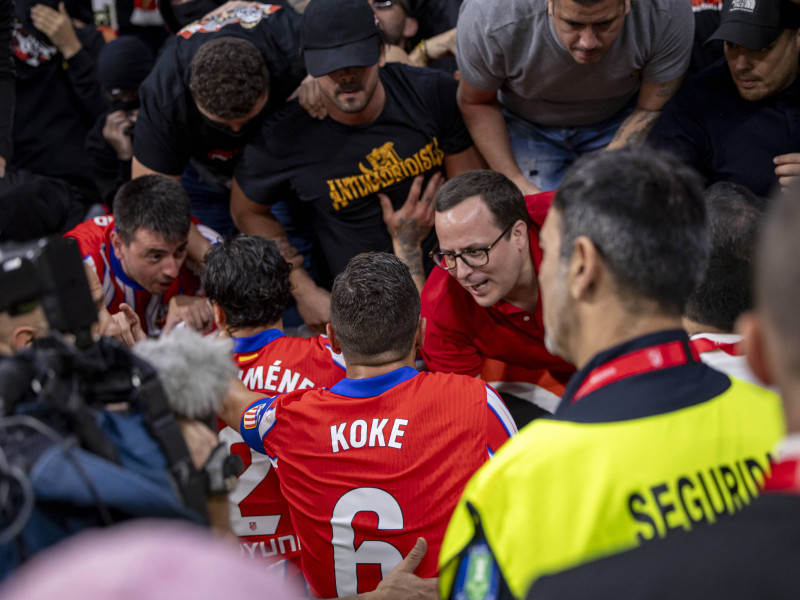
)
(474, 257)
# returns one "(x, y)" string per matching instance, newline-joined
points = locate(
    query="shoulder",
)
(418, 81)
(655, 12)
(286, 126)
(166, 83)
(90, 234)
(492, 16)
(542, 443)
(539, 205)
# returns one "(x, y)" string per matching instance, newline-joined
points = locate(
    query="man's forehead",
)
(472, 209)
(588, 12)
(153, 240)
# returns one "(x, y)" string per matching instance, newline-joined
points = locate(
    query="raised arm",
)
(313, 302)
(484, 119)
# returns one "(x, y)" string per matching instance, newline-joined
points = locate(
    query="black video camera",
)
(48, 272)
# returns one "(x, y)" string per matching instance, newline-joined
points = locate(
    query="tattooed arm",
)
(652, 98)
(410, 225)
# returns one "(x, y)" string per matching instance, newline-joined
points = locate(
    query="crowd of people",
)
(448, 298)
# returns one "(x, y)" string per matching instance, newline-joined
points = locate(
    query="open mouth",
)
(479, 288)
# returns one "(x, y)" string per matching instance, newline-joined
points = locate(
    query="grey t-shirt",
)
(511, 45)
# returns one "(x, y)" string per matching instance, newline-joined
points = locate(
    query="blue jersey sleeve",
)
(256, 423)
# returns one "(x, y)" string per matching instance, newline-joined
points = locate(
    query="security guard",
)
(647, 439)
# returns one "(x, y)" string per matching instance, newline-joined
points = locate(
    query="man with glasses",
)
(489, 255)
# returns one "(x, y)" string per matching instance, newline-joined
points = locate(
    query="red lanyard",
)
(652, 358)
(784, 476)
(702, 345)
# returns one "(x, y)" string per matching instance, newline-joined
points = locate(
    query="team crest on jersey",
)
(246, 16)
(30, 49)
(250, 418)
(384, 167)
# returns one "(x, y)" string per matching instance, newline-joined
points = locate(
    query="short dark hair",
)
(227, 77)
(155, 203)
(375, 309)
(734, 214)
(247, 276)
(643, 210)
(777, 278)
(502, 197)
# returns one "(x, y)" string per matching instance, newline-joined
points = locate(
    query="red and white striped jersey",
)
(372, 464)
(94, 243)
(272, 363)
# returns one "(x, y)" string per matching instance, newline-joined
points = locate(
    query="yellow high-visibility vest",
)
(562, 493)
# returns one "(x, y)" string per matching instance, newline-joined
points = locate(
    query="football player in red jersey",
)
(139, 255)
(379, 459)
(247, 282)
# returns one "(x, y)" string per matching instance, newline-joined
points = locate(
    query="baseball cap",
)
(755, 24)
(336, 34)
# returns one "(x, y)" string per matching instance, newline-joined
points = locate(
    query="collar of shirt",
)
(256, 342)
(652, 339)
(119, 272)
(370, 387)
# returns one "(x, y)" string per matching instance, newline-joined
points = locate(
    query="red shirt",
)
(271, 362)
(94, 243)
(372, 464)
(502, 342)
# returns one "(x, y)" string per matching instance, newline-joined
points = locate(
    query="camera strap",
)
(163, 426)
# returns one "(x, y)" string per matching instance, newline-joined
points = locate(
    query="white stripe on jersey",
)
(501, 412)
(151, 315)
(266, 420)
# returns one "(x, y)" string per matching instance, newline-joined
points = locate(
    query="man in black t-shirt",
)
(388, 130)
(207, 95)
(735, 120)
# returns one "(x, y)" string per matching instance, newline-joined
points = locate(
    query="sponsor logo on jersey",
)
(246, 16)
(385, 167)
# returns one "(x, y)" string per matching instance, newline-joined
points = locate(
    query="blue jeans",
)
(209, 204)
(545, 153)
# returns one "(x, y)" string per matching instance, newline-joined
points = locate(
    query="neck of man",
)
(368, 114)
(693, 327)
(525, 293)
(243, 332)
(607, 324)
(355, 371)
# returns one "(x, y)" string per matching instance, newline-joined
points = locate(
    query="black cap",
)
(336, 34)
(755, 24)
(124, 63)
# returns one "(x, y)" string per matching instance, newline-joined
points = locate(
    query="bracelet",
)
(423, 51)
